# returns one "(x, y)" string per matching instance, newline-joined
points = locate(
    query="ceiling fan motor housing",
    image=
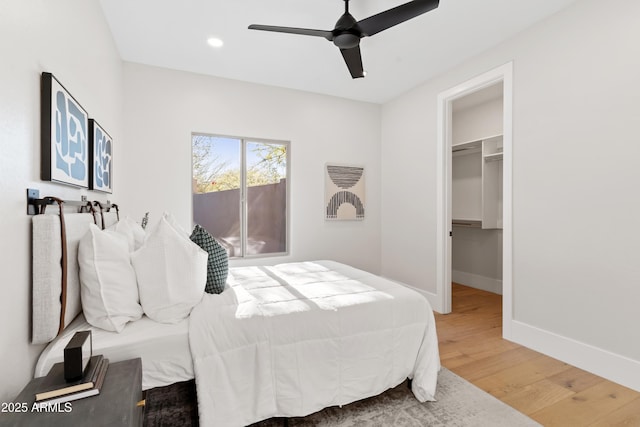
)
(347, 33)
(346, 40)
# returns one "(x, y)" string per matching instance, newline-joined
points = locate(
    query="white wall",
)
(164, 107)
(477, 122)
(70, 39)
(575, 174)
(476, 258)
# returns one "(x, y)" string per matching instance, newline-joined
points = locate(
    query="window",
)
(240, 192)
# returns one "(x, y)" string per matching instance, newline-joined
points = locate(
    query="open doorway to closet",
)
(476, 204)
(475, 173)
(476, 189)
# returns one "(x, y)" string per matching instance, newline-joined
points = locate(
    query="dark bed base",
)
(173, 405)
(177, 405)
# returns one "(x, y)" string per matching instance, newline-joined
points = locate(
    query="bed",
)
(282, 340)
(163, 348)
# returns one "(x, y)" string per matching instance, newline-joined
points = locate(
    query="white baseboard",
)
(488, 284)
(614, 367)
(433, 299)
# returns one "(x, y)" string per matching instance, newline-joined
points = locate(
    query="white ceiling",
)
(173, 34)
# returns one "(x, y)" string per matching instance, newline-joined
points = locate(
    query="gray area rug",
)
(460, 403)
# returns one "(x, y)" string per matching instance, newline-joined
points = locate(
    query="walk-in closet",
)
(476, 193)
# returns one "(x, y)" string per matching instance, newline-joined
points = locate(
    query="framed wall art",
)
(101, 165)
(64, 139)
(344, 192)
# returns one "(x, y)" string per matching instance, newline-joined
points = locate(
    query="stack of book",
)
(55, 389)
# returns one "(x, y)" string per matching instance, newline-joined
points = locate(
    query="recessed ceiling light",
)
(215, 42)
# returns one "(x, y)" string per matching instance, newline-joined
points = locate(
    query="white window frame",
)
(244, 141)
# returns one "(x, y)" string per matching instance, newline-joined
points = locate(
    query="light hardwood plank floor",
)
(547, 390)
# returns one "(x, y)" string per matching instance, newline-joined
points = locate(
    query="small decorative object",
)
(101, 167)
(65, 133)
(145, 221)
(344, 192)
(77, 354)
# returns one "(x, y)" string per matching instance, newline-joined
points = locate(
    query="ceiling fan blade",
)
(353, 59)
(387, 19)
(290, 30)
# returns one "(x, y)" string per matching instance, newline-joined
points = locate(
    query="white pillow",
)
(173, 223)
(108, 288)
(131, 230)
(171, 272)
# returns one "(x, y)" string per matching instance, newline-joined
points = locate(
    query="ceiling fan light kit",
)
(348, 32)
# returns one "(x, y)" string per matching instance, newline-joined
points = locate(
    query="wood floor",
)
(547, 390)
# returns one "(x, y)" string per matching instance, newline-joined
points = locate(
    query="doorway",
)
(501, 75)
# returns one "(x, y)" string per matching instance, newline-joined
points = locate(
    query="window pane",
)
(216, 188)
(266, 198)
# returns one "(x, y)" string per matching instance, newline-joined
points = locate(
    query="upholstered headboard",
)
(56, 283)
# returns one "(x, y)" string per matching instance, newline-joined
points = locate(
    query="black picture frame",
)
(101, 164)
(64, 143)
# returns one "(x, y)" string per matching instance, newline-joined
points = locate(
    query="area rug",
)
(460, 404)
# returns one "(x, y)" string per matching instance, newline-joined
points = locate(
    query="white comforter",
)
(291, 339)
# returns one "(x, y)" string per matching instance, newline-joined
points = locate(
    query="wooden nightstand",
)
(114, 406)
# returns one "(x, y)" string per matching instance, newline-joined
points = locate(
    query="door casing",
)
(502, 74)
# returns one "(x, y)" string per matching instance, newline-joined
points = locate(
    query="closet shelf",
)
(475, 142)
(492, 157)
(472, 146)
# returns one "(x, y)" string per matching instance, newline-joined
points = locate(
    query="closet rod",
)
(471, 223)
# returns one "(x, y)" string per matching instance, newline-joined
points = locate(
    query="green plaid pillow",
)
(218, 263)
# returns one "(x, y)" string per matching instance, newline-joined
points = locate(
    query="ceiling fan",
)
(348, 32)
